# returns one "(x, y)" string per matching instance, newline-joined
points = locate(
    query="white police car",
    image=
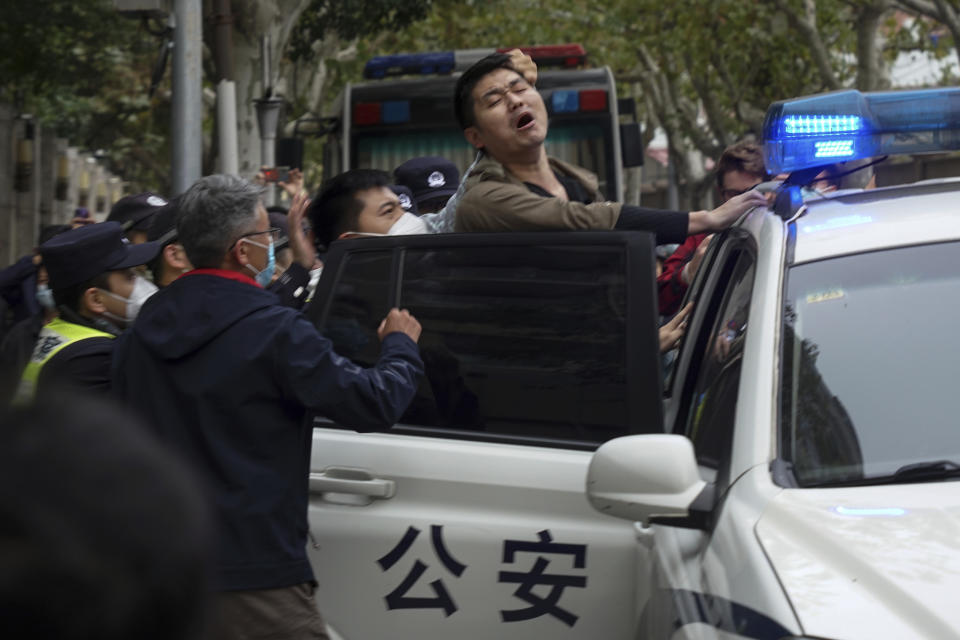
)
(795, 473)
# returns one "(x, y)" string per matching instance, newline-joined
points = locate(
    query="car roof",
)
(855, 221)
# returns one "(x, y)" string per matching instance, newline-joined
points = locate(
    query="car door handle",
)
(353, 481)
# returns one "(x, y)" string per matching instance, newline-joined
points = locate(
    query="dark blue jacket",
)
(226, 376)
(18, 286)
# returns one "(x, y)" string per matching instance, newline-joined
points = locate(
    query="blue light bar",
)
(565, 101)
(409, 63)
(847, 125)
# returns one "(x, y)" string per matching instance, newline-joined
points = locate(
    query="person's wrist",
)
(699, 222)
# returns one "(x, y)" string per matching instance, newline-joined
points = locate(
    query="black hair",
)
(335, 208)
(70, 296)
(105, 533)
(463, 92)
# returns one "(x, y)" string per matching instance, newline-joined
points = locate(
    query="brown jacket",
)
(495, 200)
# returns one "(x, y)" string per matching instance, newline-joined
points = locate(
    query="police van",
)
(384, 122)
(792, 476)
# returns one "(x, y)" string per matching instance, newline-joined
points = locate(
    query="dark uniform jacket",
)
(227, 376)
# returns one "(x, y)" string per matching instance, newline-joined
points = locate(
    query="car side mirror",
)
(645, 477)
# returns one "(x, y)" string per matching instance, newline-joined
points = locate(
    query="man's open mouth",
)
(524, 121)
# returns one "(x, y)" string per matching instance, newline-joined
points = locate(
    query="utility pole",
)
(226, 88)
(186, 163)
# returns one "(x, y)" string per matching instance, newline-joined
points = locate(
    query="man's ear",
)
(239, 253)
(175, 256)
(92, 300)
(472, 134)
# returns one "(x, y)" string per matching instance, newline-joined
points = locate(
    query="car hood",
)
(869, 562)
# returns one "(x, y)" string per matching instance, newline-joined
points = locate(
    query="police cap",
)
(163, 225)
(134, 212)
(80, 254)
(428, 177)
(406, 198)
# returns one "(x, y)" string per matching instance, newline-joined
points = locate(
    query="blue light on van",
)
(395, 111)
(438, 62)
(565, 101)
(846, 125)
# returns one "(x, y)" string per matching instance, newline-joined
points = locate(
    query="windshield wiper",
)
(929, 471)
(925, 471)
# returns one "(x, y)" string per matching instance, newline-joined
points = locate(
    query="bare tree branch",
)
(943, 11)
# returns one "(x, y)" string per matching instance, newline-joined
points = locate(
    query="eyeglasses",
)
(273, 231)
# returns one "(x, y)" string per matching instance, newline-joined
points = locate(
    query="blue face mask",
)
(45, 297)
(264, 277)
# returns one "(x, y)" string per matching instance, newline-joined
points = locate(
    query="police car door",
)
(469, 519)
(706, 575)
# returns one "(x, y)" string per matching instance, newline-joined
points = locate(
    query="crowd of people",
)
(187, 316)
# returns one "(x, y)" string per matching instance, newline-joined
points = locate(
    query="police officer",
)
(171, 261)
(406, 198)
(97, 294)
(431, 179)
(136, 213)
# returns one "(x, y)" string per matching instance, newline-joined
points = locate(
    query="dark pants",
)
(269, 614)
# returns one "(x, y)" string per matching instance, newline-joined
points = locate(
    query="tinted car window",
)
(519, 340)
(714, 398)
(361, 301)
(523, 342)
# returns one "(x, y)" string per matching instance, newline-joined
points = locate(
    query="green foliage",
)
(349, 19)
(83, 70)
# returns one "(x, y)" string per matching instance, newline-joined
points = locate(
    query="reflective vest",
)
(53, 337)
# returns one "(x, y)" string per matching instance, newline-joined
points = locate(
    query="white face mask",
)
(407, 225)
(142, 289)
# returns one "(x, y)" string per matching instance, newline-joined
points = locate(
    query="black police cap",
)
(406, 198)
(80, 254)
(428, 178)
(134, 212)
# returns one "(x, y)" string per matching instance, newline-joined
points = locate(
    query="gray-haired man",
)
(227, 376)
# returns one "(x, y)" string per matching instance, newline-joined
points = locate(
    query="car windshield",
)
(869, 358)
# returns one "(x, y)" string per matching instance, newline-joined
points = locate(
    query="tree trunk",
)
(252, 21)
(871, 70)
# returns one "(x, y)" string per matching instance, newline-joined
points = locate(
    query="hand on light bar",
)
(726, 214)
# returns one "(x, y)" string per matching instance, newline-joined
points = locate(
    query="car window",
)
(868, 363)
(713, 396)
(361, 301)
(694, 292)
(518, 341)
